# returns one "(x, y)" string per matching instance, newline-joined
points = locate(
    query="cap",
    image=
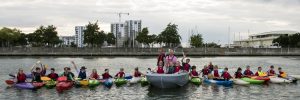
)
(83, 67)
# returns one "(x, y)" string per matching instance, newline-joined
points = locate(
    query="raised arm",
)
(74, 65)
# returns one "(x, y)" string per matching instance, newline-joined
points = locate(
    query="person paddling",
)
(120, 74)
(67, 72)
(205, 72)
(271, 71)
(281, 73)
(248, 72)
(226, 76)
(137, 73)
(94, 75)
(160, 68)
(260, 72)
(238, 73)
(37, 75)
(216, 72)
(106, 74)
(53, 75)
(194, 73)
(21, 77)
(81, 72)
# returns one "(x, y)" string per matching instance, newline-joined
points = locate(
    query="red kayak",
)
(63, 85)
(38, 84)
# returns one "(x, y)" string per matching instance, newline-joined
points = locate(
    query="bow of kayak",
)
(196, 80)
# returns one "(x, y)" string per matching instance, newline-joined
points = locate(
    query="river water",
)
(137, 92)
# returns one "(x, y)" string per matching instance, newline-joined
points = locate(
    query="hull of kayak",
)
(196, 81)
(279, 80)
(135, 80)
(144, 81)
(120, 81)
(65, 85)
(261, 78)
(219, 82)
(108, 83)
(24, 85)
(50, 84)
(253, 81)
(296, 76)
(240, 82)
(38, 84)
(93, 83)
(168, 80)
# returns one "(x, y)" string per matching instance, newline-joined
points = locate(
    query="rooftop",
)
(276, 32)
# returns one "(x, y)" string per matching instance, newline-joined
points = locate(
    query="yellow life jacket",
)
(260, 73)
(284, 75)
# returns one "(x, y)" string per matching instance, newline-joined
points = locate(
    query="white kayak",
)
(296, 76)
(279, 80)
(135, 79)
(240, 82)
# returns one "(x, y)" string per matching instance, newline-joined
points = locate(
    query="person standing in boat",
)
(248, 72)
(186, 65)
(161, 56)
(171, 58)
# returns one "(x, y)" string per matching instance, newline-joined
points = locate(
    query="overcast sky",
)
(211, 18)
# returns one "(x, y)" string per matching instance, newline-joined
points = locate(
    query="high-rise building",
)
(126, 32)
(132, 27)
(118, 30)
(79, 35)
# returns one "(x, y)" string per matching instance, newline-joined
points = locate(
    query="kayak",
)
(128, 76)
(38, 84)
(219, 82)
(240, 82)
(9, 82)
(168, 80)
(62, 78)
(84, 82)
(25, 85)
(44, 78)
(93, 83)
(63, 85)
(253, 81)
(135, 80)
(292, 79)
(144, 81)
(260, 78)
(50, 84)
(120, 81)
(279, 80)
(107, 83)
(296, 76)
(196, 81)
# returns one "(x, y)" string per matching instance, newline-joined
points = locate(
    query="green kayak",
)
(50, 84)
(120, 81)
(253, 81)
(144, 81)
(93, 83)
(196, 81)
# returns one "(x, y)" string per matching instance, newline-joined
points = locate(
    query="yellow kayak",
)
(84, 82)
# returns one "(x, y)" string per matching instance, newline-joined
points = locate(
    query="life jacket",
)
(282, 74)
(186, 67)
(21, 78)
(248, 72)
(205, 71)
(95, 75)
(120, 74)
(37, 77)
(106, 76)
(53, 76)
(261, 73)
(238, 75)
(137, 74)
(216, 73)
(69, 75)
(226, 75)
(160, 70)
(82, 75)
(211, 67)
(194, 73)
(271, 72)
(177, 69)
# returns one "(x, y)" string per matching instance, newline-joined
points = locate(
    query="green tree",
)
(93, 36)
(142, 37)
(44, 36)
(282, 40)
(9, 37)
(212, 45)
(110, 38)
(196, 40)
(170, 36)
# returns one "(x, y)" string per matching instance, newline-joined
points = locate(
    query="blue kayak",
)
(108, 83)
(219, 82)
(24, 85)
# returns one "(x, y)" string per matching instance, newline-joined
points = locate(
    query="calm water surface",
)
(136, 92)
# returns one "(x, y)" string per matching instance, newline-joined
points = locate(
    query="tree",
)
(110, 38)
(92, 36)
(212, 45)
(170, 36)
(152, 39)
(196, 40)
(142, 37)
(44, 36)
(288, 40)
(282, 40)
(10, 37)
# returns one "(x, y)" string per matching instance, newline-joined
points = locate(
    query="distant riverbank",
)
(68, 51)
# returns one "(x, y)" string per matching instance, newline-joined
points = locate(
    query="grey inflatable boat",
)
(168, 80)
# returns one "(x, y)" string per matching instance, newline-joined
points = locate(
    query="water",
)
(136, 92)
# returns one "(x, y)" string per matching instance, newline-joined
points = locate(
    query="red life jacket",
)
(216, 73)
(256, 74)
(53, 76)
(160, 70)
(226, 75)
(205, 71)
(95, 75)
(106, 76)
(186, 67)
(238, 75)
(137, 74)
(120, 74)
(271, 72)
(21, 78)
(248, 72)
(194, 73)
(281, 72)
(177, 69)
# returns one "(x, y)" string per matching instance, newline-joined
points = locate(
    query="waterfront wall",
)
(68, 51)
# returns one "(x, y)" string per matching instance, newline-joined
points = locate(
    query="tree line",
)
(288, 40)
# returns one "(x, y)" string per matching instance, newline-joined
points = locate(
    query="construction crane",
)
(120, 15)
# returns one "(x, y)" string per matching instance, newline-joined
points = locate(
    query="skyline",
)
(210, 18)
